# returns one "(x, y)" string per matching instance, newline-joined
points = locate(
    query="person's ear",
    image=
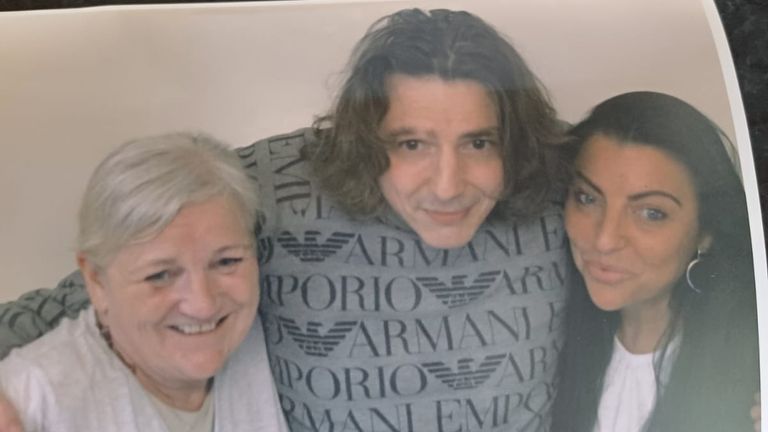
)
(93, 284)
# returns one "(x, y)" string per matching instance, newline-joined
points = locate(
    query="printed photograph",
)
(395, 216)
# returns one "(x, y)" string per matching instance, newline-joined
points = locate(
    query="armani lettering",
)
(403, 293)
(351, 383)
(539, 278)
(468, 415)
(291, 187)
(393, 418)
(394, 252)
(394, 337)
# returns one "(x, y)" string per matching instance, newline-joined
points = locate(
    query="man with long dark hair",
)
(410, 250)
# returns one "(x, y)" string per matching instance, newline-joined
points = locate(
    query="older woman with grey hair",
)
(166, 249)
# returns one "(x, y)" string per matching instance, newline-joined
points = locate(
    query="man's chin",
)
(446, 239)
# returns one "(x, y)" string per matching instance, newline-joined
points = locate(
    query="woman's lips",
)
(606, 274)
(202, 328)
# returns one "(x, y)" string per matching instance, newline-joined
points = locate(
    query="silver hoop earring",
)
(691, 265)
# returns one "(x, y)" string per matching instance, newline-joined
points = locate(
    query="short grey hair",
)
(137, 190)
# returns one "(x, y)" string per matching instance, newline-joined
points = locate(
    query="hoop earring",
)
(691, 265)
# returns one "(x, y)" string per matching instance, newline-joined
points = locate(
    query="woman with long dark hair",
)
(662, 328)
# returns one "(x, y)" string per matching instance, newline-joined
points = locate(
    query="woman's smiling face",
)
(632, 219)
(179, 304)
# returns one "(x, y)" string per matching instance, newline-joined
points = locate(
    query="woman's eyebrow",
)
(589, 182)
(232, 248)
(646, 194)
(634, 197)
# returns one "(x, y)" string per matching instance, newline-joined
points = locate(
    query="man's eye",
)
(481, 143)
(409, 144)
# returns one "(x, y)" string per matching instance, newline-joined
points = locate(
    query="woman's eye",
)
(653, 214)
(227, 263)
(583, 198)
(159, 278)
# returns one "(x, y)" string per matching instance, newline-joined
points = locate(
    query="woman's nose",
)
(198, 297)
(610, 234)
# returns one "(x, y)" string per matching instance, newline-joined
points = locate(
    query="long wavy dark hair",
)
(349, 157)
(715, 374)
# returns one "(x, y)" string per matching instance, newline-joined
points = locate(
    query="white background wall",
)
(74, 84)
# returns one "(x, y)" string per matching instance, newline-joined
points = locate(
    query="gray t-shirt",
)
(369, 329)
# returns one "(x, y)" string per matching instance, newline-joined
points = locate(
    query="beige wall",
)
(73, 84)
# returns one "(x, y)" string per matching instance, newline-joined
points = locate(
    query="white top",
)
(177, 420)
(629, 389)
(70, 381)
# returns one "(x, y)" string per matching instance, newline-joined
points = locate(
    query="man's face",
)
(445, 172)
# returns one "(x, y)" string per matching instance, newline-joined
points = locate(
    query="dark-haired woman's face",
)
(632, 218)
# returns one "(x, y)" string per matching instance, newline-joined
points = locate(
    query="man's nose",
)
(448, 180)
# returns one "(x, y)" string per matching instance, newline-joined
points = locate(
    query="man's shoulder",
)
(291, 142)
(39, 311)
(65, 342)
(553, 207)
(268, 159)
